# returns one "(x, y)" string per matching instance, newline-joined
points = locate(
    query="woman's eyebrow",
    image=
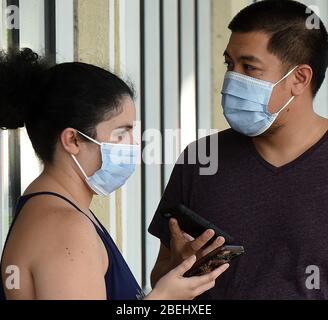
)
(125, 127)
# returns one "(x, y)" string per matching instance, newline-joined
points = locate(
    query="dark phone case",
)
(214, 259)
(193, 224)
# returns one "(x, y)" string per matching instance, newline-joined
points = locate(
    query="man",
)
(270, 191)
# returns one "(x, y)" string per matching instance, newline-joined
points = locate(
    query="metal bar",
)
(143, 171)
(50, 30)
(14, 170)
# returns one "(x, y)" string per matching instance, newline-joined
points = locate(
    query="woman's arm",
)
(173, 286)
(69, 264)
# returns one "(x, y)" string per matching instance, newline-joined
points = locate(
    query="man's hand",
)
(183, 245)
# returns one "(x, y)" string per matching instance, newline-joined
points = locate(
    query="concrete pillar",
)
(91, 44)
(223, 12)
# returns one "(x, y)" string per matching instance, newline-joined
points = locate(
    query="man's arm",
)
(182, 246)
(172, 253)
(162, 265)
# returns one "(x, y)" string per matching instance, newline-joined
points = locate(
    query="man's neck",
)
(289, 142)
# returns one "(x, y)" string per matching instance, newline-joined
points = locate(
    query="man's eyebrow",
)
(226, 54)
(250, 59)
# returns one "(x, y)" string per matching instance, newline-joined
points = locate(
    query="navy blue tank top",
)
(120, 282)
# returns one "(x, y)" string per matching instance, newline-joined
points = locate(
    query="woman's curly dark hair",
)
(48, 99)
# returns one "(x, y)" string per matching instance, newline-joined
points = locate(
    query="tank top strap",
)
(31, 195)
(119, 280)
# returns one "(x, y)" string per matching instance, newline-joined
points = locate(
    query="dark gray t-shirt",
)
(278, 214)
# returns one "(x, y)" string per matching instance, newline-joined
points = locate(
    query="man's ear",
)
(70, 141)
(302, 78)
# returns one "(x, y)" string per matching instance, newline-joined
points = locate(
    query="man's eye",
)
(229, 65)
(249, 67)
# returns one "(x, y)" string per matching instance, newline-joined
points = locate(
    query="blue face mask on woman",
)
(118, 164)
(245, 102)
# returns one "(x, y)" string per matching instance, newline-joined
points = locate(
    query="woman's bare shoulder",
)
(59, 246)
(47, 223)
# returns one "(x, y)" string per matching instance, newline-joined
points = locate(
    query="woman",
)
(80, 120)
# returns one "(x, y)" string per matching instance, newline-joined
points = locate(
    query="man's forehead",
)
(250, 46)
(252, 36)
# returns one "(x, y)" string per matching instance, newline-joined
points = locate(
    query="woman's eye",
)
(122, 136)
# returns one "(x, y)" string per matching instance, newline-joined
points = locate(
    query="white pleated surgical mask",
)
(118, 164)
(245, 102)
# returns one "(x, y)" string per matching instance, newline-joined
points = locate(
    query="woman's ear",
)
(70, 141)
(302, 79)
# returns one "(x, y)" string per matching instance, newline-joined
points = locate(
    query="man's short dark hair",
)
(285, 21)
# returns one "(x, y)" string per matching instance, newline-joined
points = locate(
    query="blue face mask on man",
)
(118, 164)
(245, 102)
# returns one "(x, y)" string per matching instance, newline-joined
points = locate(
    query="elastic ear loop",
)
(74, 158)
(93, 140)
(77, 163)
(287, 104)
(293, 97)
(286, 76)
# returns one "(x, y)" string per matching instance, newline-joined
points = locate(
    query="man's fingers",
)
(188, 236)
(218, 242)
(175, 230)
(199, 242)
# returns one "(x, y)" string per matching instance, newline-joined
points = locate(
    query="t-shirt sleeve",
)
(173, 195)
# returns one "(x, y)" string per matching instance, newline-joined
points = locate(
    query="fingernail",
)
(226, 266)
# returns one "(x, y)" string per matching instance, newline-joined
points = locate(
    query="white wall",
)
(321, 101)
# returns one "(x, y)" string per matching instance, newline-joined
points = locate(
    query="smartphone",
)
(214, 259)
(193, 224)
